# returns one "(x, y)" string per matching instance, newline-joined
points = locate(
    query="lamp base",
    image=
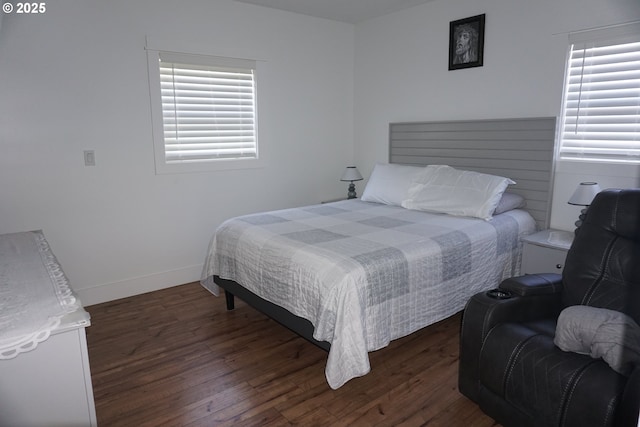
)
(352, 191)
(581, 217)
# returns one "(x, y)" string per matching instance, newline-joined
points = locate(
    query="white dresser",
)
(45, 378)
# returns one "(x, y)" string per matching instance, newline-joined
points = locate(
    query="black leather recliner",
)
(509, 364)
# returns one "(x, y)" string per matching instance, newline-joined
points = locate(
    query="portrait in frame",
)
(466, 42)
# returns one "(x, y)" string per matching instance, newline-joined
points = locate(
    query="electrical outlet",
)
(89, 158)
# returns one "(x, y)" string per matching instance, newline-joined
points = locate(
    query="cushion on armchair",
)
(600, 333)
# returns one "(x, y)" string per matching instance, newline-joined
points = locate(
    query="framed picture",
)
(466, 42)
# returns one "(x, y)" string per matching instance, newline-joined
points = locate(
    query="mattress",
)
(365, 273)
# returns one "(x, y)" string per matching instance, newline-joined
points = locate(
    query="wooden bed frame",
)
(521, 149)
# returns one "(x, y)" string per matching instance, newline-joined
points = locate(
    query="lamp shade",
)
(584, 194)
(351, 174)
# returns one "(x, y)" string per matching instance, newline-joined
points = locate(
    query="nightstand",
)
(545, 251)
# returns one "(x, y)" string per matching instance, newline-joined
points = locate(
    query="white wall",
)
(75, 78)
(401, 66)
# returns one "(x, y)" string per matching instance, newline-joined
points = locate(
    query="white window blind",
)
(208, 108)
(601, 110)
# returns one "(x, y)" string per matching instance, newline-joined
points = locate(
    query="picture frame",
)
(466, 42)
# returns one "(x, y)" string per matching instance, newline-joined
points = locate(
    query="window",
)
(601, 109)
(203, 112)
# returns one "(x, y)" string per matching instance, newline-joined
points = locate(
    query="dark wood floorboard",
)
(177, 357)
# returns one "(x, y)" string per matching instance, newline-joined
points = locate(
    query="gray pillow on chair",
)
(600, 333)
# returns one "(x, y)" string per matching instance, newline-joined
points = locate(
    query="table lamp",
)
(583, 196)
(351, 174)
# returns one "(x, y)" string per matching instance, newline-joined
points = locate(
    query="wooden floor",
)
(176, 357)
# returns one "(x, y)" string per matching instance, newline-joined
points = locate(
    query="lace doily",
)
(34, 292)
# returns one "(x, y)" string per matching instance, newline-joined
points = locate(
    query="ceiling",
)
(351, 11)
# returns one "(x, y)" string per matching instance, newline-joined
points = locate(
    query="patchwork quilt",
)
(365, 273)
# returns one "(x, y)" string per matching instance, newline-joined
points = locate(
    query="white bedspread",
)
(365, 273)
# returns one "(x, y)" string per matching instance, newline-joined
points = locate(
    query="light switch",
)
(89, 158)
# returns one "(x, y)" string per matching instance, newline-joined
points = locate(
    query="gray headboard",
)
(520, 149)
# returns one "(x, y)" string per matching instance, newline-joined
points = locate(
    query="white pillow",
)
(509, 202)
(389, 183)
(440, 188)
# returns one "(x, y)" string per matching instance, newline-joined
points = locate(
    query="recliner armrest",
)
(519, 299)
(533, 284)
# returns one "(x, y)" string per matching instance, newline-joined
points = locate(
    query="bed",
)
(353, 275)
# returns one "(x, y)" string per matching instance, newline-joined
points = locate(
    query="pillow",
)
(600, 333)
(440, 188)
(508, 202)
(389, 183)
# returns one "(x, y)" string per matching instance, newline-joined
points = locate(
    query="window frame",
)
(599, 38)
(207, 165)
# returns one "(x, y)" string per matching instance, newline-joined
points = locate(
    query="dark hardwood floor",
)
(177, 357)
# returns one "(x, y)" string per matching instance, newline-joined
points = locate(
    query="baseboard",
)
(139, 285)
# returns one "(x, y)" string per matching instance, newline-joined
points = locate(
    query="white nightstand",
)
(545, 251)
